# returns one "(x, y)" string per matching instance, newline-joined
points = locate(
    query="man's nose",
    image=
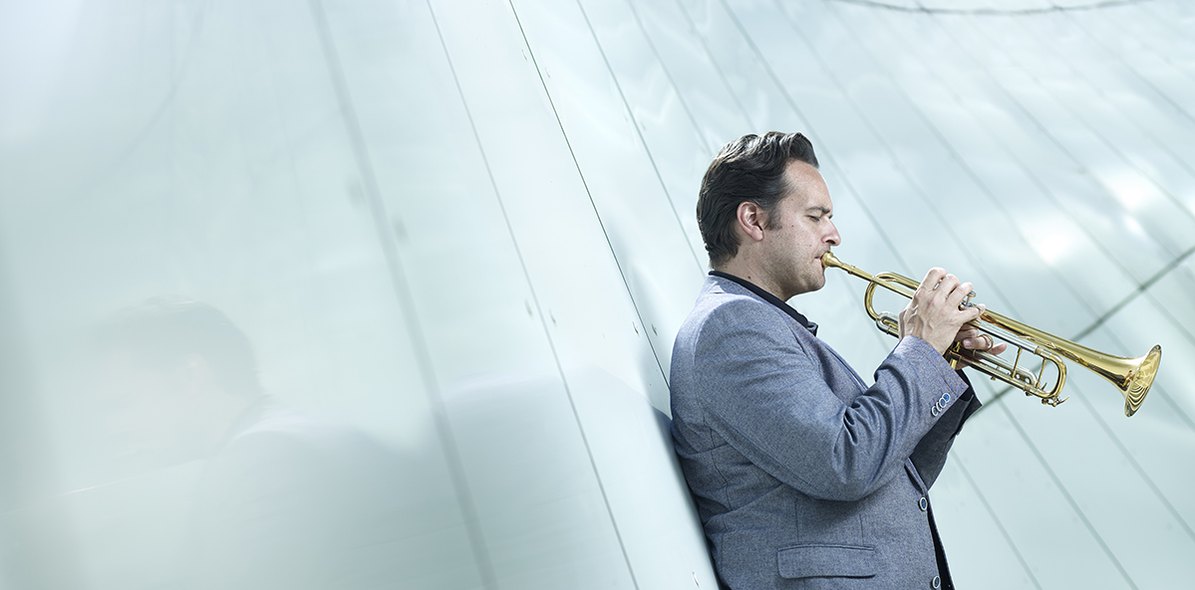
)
(833, 238)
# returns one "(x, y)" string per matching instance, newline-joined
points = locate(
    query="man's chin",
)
(811, 287)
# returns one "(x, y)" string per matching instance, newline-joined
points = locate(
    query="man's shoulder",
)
(722, 305)
(726, 321)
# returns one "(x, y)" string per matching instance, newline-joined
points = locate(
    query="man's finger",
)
(957, 293)
(932, 277)
(946, 288)
(984, 342)
(967, 332)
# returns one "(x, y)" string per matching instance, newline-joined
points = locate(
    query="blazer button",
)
(923, 504)
(936, 582)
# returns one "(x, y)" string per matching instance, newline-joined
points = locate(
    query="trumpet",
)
(1132, 376)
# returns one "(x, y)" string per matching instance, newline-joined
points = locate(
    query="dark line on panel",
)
(1067, 496)
(1149, 482)
(1165, 23)
(958, 463)
(989, 11)
(1180, 324)
(1043, 131)
(680, 97)
(405, 299)
(638, 133)
(1046, 190)
(953, 152)
(714, 62)
(1099, 243)
(1029, 172)
(1111, 145)
(1162, 272)
(576, 415)
(1103, 318)
(916, 187)
(1145, 131)
(1135, 72)
(577, 164)
(1141, 289)
(1110, 433)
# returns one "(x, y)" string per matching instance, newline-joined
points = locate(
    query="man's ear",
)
(751, 220)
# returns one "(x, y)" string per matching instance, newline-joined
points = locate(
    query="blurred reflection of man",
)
(285, 501)
(804, 476)
(175, 377)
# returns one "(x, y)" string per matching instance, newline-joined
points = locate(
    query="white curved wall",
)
(467, 229)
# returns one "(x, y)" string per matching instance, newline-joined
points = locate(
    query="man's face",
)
(800, 231)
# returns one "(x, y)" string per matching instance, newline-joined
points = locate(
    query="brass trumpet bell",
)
(1132, 376)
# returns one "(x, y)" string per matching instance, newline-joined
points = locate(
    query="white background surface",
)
(467, 228)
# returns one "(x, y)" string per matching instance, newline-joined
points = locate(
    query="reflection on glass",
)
(179, 432)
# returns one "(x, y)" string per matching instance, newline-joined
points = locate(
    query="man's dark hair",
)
(163, 331)
(750, 168)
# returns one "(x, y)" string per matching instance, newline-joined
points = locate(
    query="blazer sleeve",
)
(930, 455)
(767, 398)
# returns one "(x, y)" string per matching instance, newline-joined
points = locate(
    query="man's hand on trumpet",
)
(937, 314)
(973, 339)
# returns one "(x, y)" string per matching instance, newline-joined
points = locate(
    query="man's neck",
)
(751, 272)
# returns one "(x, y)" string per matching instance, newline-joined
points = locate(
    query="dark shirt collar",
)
(766, 296)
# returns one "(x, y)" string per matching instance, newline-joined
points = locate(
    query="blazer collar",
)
(766, 296)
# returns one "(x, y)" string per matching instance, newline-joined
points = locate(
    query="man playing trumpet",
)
(803, 475)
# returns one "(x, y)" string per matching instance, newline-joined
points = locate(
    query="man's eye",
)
(814, 217)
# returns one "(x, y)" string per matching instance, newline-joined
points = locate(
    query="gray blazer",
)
(805, 477)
